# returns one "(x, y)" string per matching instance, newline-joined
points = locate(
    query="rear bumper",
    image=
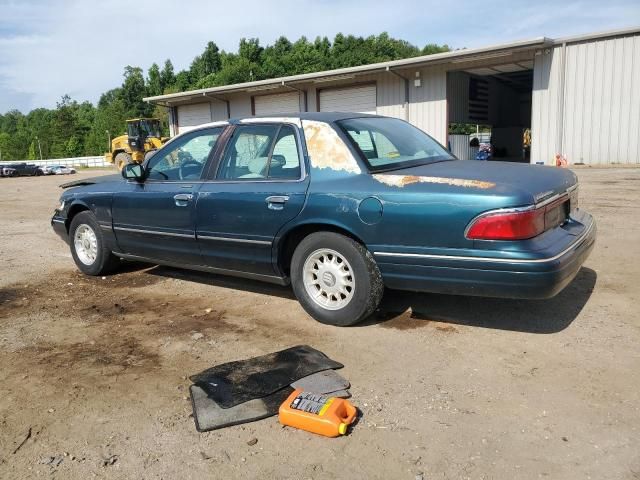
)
(490, 276)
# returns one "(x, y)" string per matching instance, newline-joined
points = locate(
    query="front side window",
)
(388, 143)
(184, 159)
(258, 152)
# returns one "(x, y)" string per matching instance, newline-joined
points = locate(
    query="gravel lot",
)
(94, 371)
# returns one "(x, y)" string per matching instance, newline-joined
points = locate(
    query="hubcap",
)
(328, 279)
(86, 244)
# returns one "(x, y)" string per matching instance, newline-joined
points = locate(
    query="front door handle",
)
(182, 199)
(276, 202)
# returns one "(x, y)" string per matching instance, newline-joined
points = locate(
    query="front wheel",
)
(335, 279)
(88, 246)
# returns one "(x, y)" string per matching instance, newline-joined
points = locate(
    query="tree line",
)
(75, 129)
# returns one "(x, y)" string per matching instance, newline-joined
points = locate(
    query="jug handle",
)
(351, 414)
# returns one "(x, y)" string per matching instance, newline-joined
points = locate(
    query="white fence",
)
(68, 162)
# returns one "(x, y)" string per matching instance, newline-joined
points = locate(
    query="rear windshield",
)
(389, 143)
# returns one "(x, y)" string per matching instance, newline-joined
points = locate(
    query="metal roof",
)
(343, 73)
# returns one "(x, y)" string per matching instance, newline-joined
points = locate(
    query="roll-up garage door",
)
(276, 103)
(190, 116)
(350, 99)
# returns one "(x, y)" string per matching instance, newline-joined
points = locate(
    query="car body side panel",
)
(96, 198)
(149, 222)
(236, 226)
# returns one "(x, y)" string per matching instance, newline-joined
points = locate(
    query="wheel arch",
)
(288, 241)
(75, 209)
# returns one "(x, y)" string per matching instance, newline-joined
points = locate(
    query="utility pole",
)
(109, 144)
(39, 147)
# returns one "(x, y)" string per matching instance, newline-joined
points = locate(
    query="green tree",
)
(206, 64)
(167, 77)
(32, 155)
(432, 48)
(154, 81)
(5, 140)
(133, 92)
(63, 127)
(73, 147)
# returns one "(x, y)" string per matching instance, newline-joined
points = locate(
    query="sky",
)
(49, 48)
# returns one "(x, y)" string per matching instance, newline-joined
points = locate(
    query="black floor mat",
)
(208, 415)
(237, 382)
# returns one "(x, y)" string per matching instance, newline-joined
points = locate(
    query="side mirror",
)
(133, 171)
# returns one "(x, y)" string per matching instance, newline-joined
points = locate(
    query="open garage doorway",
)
(490, 112)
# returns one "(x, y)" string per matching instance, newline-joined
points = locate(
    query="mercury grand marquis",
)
(339, 206)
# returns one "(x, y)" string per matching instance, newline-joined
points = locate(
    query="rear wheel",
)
(122, 159)
(88, 246)
(335, 279)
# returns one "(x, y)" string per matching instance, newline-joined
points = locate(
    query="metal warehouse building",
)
(577, 96)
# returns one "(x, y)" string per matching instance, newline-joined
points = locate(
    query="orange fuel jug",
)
(328, 416)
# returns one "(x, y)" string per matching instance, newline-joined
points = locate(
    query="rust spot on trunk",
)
(326, 149)
(403, 180)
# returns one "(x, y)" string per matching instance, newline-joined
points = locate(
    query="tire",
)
(94, 258)
(122, 159)
(341, 264)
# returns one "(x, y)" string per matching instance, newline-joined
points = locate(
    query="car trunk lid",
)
(534, 183)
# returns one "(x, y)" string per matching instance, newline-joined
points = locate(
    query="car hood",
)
(92, 181)
(531, 183)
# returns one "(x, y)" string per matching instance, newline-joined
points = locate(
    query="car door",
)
(259, 186)
(155, 218)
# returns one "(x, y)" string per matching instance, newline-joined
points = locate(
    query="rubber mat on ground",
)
(238, 382)
(208, 415)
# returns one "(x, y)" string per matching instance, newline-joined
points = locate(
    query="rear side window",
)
(260, 152)
(388, 143)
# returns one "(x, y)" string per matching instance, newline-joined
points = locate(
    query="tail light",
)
(518, 224)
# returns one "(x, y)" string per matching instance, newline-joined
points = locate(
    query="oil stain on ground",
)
(410, 320)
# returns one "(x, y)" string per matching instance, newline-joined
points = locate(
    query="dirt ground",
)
(93, 372)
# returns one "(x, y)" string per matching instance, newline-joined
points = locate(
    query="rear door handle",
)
(276, 202)
(182, 199)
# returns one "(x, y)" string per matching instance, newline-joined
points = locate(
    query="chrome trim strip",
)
(237, 240)
(154, 232)
(284, 281)
(57, 220)
(488, 259)
(105, 227)
(551, 199)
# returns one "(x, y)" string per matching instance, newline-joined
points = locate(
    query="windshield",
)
(389, 143)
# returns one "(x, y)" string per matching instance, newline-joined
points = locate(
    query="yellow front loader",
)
(143, 137)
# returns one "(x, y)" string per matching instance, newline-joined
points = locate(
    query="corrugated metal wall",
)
(601, 109)
(428, 103)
